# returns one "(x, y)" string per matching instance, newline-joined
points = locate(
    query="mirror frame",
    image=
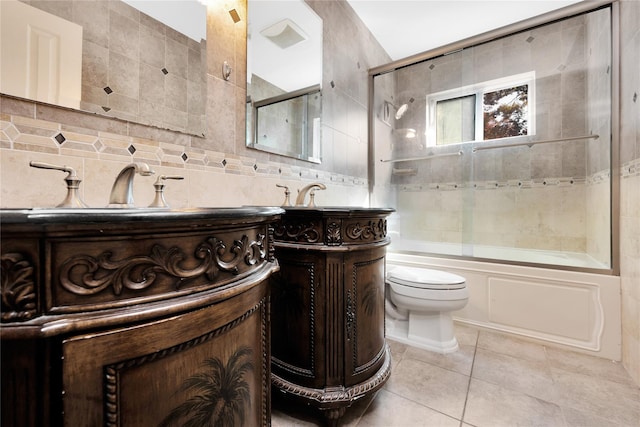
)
(308, 147)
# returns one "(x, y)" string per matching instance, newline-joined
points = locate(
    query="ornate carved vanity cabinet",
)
(328, 345)
(136, 317)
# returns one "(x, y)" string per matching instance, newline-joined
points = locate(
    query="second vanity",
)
(327, 306)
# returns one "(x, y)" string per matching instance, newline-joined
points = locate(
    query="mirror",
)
(284, 76)
(141, 61)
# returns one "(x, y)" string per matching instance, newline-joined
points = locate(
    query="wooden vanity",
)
(328, 344)
(130, 317)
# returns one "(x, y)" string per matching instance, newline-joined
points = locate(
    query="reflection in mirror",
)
(284, 74)
(120, 61)
(289, 125)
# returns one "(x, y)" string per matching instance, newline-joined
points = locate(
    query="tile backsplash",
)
(212, 178)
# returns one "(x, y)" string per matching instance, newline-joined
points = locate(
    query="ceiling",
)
(188, 17)
(407, 27)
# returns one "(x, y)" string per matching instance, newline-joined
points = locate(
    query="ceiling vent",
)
(284, 33)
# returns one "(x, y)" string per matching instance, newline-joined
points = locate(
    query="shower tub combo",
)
(507, 144)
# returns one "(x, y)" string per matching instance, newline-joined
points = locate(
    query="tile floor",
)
(494, 380)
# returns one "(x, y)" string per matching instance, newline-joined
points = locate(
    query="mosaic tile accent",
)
(519, 184)
(27, 134)
(630, 169)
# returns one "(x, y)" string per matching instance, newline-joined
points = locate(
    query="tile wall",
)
(218, 169)
(630, 184)
(522, 197)
(134, 67)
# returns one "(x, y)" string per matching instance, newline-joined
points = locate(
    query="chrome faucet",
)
(122, 190)
(311, 189)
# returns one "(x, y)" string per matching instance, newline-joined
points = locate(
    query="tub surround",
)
(95, 302)
(575, 310)
(328, 340)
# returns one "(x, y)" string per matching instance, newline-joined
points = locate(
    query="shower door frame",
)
(547, 18)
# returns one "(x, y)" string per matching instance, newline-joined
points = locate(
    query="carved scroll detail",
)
(86, 275)
(307, 232)
(373, 230)
(18, 288)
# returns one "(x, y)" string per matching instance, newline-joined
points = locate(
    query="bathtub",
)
(572, 309)
(529, 256)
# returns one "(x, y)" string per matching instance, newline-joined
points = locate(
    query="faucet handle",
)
(163, 177)
(312, 196)
(159, 201)
(71, 171)
(287, 193)
(72, 200)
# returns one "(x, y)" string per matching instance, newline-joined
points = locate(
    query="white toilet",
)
(419, 305)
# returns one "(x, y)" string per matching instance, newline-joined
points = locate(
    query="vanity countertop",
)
(111, 215)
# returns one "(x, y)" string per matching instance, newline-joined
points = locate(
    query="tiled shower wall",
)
(515, 197)
(218, 169)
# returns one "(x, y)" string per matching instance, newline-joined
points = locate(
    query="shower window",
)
(455, 120)
(503, 106)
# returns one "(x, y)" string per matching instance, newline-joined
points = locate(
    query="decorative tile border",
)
(495, 185)
(28, 134)
(630, 169)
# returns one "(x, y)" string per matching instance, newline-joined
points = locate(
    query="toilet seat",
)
(424, 278)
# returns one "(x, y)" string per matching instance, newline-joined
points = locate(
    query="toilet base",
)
(429, 331)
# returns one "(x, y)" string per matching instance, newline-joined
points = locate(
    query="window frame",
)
(478, 90)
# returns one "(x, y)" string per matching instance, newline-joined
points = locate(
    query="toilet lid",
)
(425, 278)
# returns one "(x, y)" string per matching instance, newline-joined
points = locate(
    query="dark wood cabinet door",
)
(297, 296)
(364, 314)
(209, 364)
(327, 301)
